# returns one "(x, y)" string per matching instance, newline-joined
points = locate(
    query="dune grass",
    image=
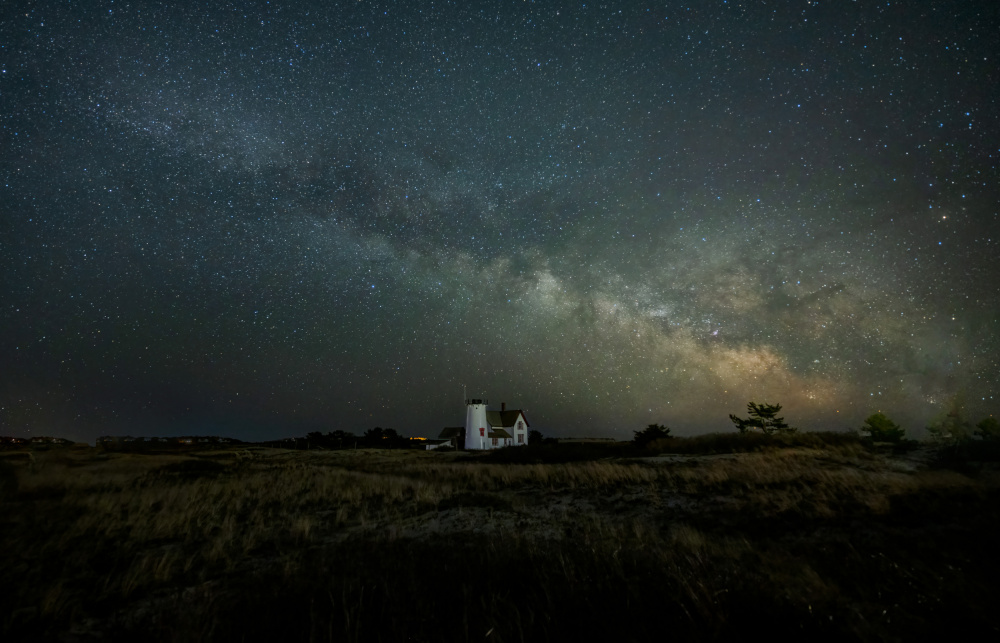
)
(824, 539)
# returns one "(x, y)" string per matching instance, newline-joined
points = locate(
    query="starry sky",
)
(258, 219)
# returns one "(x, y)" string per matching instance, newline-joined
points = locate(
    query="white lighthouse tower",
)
(477, 430)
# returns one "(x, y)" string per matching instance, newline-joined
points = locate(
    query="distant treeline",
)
(372, 438)
(41, 440)
(377, 437)
(130, 443)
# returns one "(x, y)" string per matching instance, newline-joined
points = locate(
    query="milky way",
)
(261, 219)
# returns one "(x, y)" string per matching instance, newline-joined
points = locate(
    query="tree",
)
(337, 438)
(374, 436)
(988, 429)
(650, 434)
(764, 417)
(534, 436)
(384, 438)
(882, 429)
(951, 425)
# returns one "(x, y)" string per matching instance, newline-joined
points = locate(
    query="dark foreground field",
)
(835, 542)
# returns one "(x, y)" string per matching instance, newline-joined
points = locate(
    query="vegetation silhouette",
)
(951, 426)
(650, 434)
(881, 429)
(763, 417)
(988, 429)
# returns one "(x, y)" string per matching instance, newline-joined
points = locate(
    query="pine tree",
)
(764, 417)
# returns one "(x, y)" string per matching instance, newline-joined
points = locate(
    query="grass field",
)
(824, 537)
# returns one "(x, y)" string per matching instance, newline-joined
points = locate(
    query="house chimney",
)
(503, 406)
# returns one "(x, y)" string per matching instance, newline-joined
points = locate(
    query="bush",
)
(882, 429)
(963, 456)
(988, 429)
(951, 426)
(650, 434)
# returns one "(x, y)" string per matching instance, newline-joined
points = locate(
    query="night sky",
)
(262, 219)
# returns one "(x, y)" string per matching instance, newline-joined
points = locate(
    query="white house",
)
(485, 429)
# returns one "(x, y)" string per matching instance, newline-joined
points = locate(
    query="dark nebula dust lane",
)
(256, 219)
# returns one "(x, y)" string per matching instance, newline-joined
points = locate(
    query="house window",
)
(520, 438)
(494, 441)
(482, 432)
(520, 426)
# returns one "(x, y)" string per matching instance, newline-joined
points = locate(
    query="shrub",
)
(650, 434)
(951, 426)
(988, 429)
(882, 429)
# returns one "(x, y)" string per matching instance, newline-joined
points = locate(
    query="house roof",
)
(499, 433)
(452, 432)
(505, 418)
